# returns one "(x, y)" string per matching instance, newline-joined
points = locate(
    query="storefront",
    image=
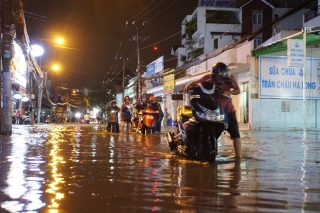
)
(277, 102)
(20, 98)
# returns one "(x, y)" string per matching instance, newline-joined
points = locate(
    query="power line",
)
(160, 12)
(150, 10)
(140, 12)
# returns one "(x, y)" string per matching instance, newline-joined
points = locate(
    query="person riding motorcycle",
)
(140, 106)
(224, 81)
(112, 106)
(156, 107)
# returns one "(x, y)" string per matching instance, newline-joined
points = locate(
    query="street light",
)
(37, 50)
(59, 40)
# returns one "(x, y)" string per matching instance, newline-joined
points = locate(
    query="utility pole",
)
(40, 83)
(138, 67)
(10, 11)
(6, 124)
(31, 97)
(1, 78)
(123, 71)
(138, 39)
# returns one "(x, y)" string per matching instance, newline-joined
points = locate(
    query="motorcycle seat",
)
(186, 112)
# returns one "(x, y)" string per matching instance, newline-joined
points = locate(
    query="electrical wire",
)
(161, 11)
(149, 11)
(141, 11)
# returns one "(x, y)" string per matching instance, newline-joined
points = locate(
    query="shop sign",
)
(277, 80)
(155, 67)
(295, 52)
(168, 82)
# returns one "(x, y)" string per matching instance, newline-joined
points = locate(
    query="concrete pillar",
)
(6, 124)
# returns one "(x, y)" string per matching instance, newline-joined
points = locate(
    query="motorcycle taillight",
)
(149, 117)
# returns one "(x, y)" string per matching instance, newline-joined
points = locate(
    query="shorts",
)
(126, 120)
(233, 127)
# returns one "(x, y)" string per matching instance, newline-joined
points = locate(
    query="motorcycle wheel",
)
(208, 148)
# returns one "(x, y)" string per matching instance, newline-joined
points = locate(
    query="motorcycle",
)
(146, 125)
(205, 119)
(113, 125)
(135, 121)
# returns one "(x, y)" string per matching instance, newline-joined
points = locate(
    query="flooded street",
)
(82, 168)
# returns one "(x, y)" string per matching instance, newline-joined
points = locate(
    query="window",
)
(257, 42)
(276, 16)
(256, 18)
(215, 43)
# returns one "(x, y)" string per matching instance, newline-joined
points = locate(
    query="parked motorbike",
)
(146, 125)
(113, 125)
(206, 122)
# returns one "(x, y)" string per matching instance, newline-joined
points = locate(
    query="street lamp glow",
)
(36, 50)
(59, 40)
(56, 67)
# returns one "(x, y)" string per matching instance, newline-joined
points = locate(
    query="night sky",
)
(94, 32)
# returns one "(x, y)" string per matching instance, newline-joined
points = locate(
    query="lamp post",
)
(38, 51)
(42, 85)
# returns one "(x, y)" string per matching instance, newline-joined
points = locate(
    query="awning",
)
(312, 39)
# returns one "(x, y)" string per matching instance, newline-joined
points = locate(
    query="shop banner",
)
(155, 67)
(295, 52)
(277, 80)
(168, 82)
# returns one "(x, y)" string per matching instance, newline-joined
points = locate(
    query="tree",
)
(100, 95)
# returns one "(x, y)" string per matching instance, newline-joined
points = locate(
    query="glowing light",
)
(17, 96)
(78, 114)
(25, 99)
(59, 40)
(36, 50)
(56, 67)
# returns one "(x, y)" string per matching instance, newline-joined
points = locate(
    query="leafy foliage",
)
(100, 95)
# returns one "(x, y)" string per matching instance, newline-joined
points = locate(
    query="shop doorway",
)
(245, 102)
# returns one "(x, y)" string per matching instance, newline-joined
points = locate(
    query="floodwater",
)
(82, 168)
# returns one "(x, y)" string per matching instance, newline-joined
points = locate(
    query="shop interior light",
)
(25, 99)
(17, 96)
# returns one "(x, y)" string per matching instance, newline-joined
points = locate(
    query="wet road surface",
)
(82, 168)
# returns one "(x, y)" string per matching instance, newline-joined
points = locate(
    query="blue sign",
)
(216, 3)
(151, 69)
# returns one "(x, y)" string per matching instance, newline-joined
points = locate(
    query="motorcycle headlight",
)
(210, 115)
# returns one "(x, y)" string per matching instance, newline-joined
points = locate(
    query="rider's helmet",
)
(140, 99)
(220, 72)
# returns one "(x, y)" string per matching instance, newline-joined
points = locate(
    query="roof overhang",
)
(281, 45)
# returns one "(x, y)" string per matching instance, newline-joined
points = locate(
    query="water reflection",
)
(55, 160)
(85, 169)
(24, 172)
